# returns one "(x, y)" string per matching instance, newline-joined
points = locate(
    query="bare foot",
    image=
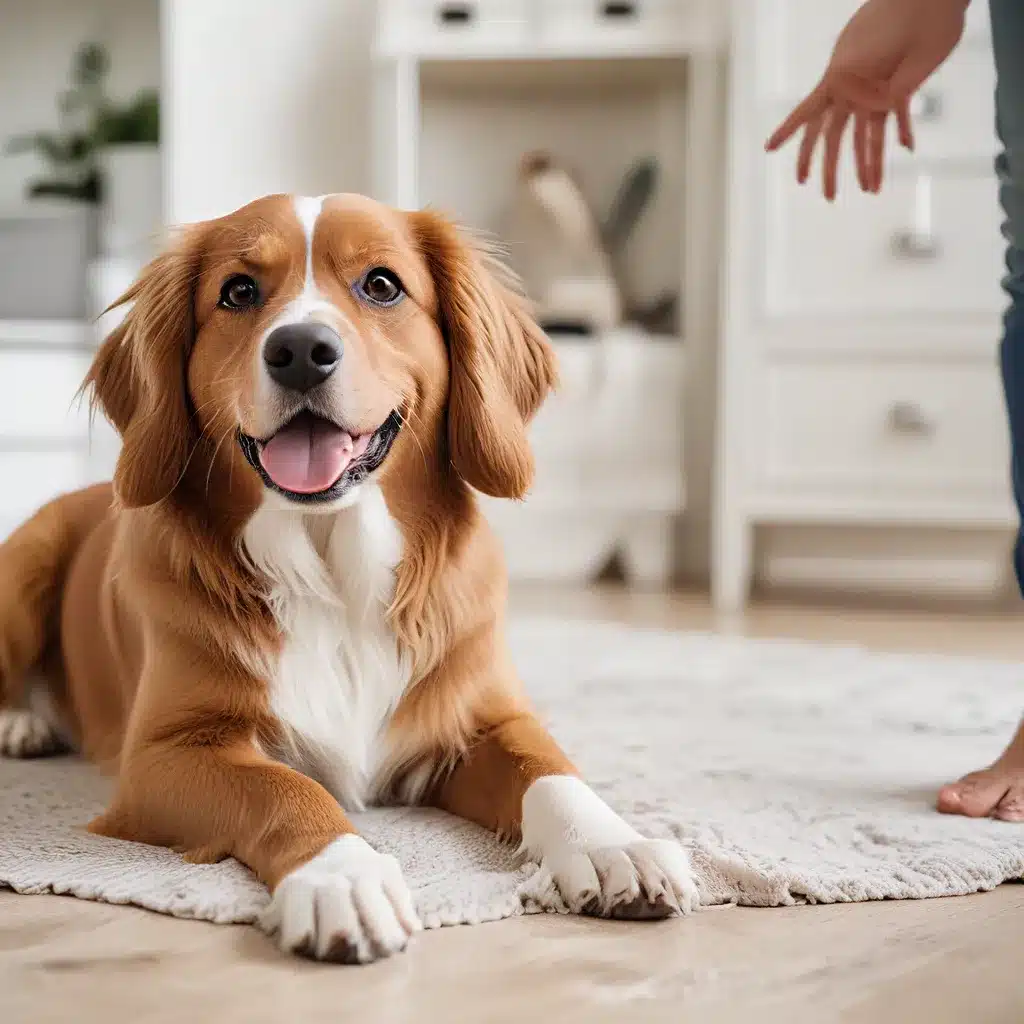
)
(996, 792)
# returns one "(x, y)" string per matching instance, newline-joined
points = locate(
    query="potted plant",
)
(127, 140)
(70, 151)
(104, 153)
(46, 246)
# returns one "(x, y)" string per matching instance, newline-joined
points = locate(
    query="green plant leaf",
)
(92, 186)
(85, 188)
(56, 189)
(137, 122)
(80, 146)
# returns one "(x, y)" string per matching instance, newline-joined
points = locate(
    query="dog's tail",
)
(34, 563)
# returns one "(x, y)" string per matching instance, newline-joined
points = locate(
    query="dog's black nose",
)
(300, 356)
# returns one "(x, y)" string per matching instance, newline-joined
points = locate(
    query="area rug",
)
(792, 773)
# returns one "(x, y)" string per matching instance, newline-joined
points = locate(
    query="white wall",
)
(37, 41)
(281, 104)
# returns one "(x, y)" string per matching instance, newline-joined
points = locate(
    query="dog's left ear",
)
(502, 365)
(138, 376)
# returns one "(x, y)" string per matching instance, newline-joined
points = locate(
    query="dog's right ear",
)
(502, 366)
(138, 377)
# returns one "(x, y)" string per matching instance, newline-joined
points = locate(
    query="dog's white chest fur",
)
(339, 676)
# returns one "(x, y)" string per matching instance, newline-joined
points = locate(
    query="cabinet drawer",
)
(606, 25)
(453, 26)
(845, 427)
(37, 394)
(926, 246)
(32, 478)
(796, 39)
(954, 113)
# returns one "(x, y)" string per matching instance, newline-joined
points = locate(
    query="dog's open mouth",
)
(312, 459)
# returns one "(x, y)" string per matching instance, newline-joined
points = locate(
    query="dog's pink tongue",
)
(307, 455)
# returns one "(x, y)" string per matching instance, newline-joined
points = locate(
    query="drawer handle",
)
(919, 242)
(618, 9)
(928, 106)
(455, 14)
(909, 245)
(910, 418)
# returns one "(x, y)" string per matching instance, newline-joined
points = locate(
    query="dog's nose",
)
(300, 356)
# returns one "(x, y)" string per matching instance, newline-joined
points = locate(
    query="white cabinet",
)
(38, 393)
(927, 245)
(463, 90)
(545, 29)
(609, 465)
(858, 372)
(630, 26)
(452, 27)
(902, 427)
(46, 446)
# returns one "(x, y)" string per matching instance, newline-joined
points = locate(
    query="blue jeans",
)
(1008, 44)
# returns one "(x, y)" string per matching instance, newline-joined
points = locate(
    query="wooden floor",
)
(934, 961)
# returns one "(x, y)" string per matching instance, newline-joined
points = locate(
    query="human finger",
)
(808, 143)
(904, 125)
(860, 151)
(837, 121)
(876, 150)
(811, 107)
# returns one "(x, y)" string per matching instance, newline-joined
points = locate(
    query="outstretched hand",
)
(884, 54)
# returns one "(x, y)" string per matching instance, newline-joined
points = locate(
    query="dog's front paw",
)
(644, 879)
(593, 862)
(348, 904)
(25, 734)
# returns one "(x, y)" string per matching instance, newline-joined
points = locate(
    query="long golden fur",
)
(159, 692)
(153, 627)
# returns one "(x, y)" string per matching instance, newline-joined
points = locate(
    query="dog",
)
(287, 604)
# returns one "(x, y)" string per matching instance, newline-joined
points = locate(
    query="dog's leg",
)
(34, 730)
(193, 777)
(517, 782)
(334, 897)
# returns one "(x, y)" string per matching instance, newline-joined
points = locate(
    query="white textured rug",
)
(792, 772)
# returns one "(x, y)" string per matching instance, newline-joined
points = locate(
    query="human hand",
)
(884, 54)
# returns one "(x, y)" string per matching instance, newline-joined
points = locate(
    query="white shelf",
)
(52, 333)
(501, 30)
(456, 106)
(651, 49)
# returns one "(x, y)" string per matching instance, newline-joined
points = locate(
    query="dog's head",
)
(299, 344)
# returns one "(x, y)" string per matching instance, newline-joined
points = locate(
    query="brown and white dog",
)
(287, 603)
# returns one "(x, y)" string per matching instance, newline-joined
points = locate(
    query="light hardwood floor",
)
(931, 961)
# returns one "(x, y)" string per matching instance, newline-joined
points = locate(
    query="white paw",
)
(593, 862)
(640, 880)
(349, 904)
(27, 734)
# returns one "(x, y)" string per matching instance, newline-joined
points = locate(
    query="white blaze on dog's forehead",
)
(310, 301)
(307, 209)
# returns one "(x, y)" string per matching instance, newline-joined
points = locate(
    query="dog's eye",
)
(239, 292)
(381, 287)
